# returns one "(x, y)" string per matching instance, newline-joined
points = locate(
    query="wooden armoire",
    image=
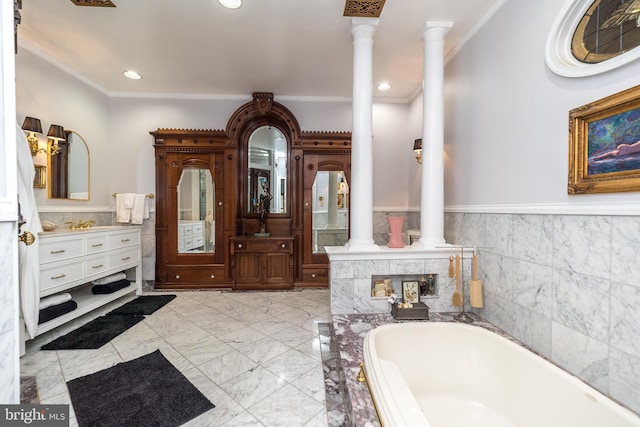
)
(215, 189)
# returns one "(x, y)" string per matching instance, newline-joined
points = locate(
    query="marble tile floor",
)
(255, 355)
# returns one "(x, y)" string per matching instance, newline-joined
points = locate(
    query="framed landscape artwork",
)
(604, 145)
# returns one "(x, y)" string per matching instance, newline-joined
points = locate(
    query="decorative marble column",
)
(432, 191)
(362, 30)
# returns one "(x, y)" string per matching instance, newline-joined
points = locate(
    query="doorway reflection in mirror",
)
(330, 210)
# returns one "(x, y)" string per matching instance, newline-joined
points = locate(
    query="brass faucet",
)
(81, 225)
(86, 224)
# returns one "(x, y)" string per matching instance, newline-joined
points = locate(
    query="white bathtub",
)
(452, 374)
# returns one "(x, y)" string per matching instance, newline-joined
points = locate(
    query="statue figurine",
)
(262, 207)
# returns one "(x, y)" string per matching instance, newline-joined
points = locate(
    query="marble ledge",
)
(415, 251)
(94, 229)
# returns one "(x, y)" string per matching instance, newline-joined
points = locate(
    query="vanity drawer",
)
(94, 245)
(124, 258)
(96, 265)
(59, 275)
(123, 240)
(60, 250)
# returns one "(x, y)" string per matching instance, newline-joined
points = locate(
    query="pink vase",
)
(395, 231)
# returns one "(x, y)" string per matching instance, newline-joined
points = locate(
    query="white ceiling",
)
(196, 47)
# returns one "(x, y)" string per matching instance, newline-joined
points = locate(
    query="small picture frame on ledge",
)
(411, 291)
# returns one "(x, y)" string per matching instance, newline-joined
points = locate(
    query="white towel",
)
(123, 214)
(140, 209)
(52, 300)
(128, 200)
(109, 279)
(28, 256)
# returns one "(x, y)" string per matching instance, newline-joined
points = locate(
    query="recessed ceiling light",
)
(132, 75)
(384, 86)
(231, 4)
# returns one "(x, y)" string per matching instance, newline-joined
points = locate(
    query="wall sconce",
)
(342, 186)
(32, 126)
(417, 148)
(55, 135)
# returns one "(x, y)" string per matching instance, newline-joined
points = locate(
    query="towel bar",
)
(150, 195)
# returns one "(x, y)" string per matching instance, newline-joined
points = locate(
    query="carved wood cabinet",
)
(262, 262)
(249, 189)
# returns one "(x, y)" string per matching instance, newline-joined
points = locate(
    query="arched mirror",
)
(267, 170)
(196, 212)
(69, 169)
(330, 210)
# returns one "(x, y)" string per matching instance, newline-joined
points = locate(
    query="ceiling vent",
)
(363, 8)
(99, 3)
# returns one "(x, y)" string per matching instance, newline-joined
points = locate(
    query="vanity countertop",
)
(94, 229)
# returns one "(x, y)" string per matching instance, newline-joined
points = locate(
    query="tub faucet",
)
(86, 224)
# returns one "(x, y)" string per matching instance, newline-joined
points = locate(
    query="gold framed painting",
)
(604, 145)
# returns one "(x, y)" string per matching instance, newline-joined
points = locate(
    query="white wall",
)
(55, 97)
(507, 114)
(116, 130)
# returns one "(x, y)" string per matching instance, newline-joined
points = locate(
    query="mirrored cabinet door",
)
(189, 225)
(196, 211)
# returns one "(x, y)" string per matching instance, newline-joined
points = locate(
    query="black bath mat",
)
(143, 305)
(148, 391)
(94, 334)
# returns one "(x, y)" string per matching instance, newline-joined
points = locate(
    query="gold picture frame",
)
(40, 178)
(604, 145)
(411, 291)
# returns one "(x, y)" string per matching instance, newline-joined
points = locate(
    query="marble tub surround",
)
(337, 401)
(256, 355)
(350, 330)
(349, 333)
(565, 285)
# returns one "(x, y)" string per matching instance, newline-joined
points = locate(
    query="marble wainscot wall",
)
(148, 235)
(567, 286)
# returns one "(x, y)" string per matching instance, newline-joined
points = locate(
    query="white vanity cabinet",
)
(69, 261)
